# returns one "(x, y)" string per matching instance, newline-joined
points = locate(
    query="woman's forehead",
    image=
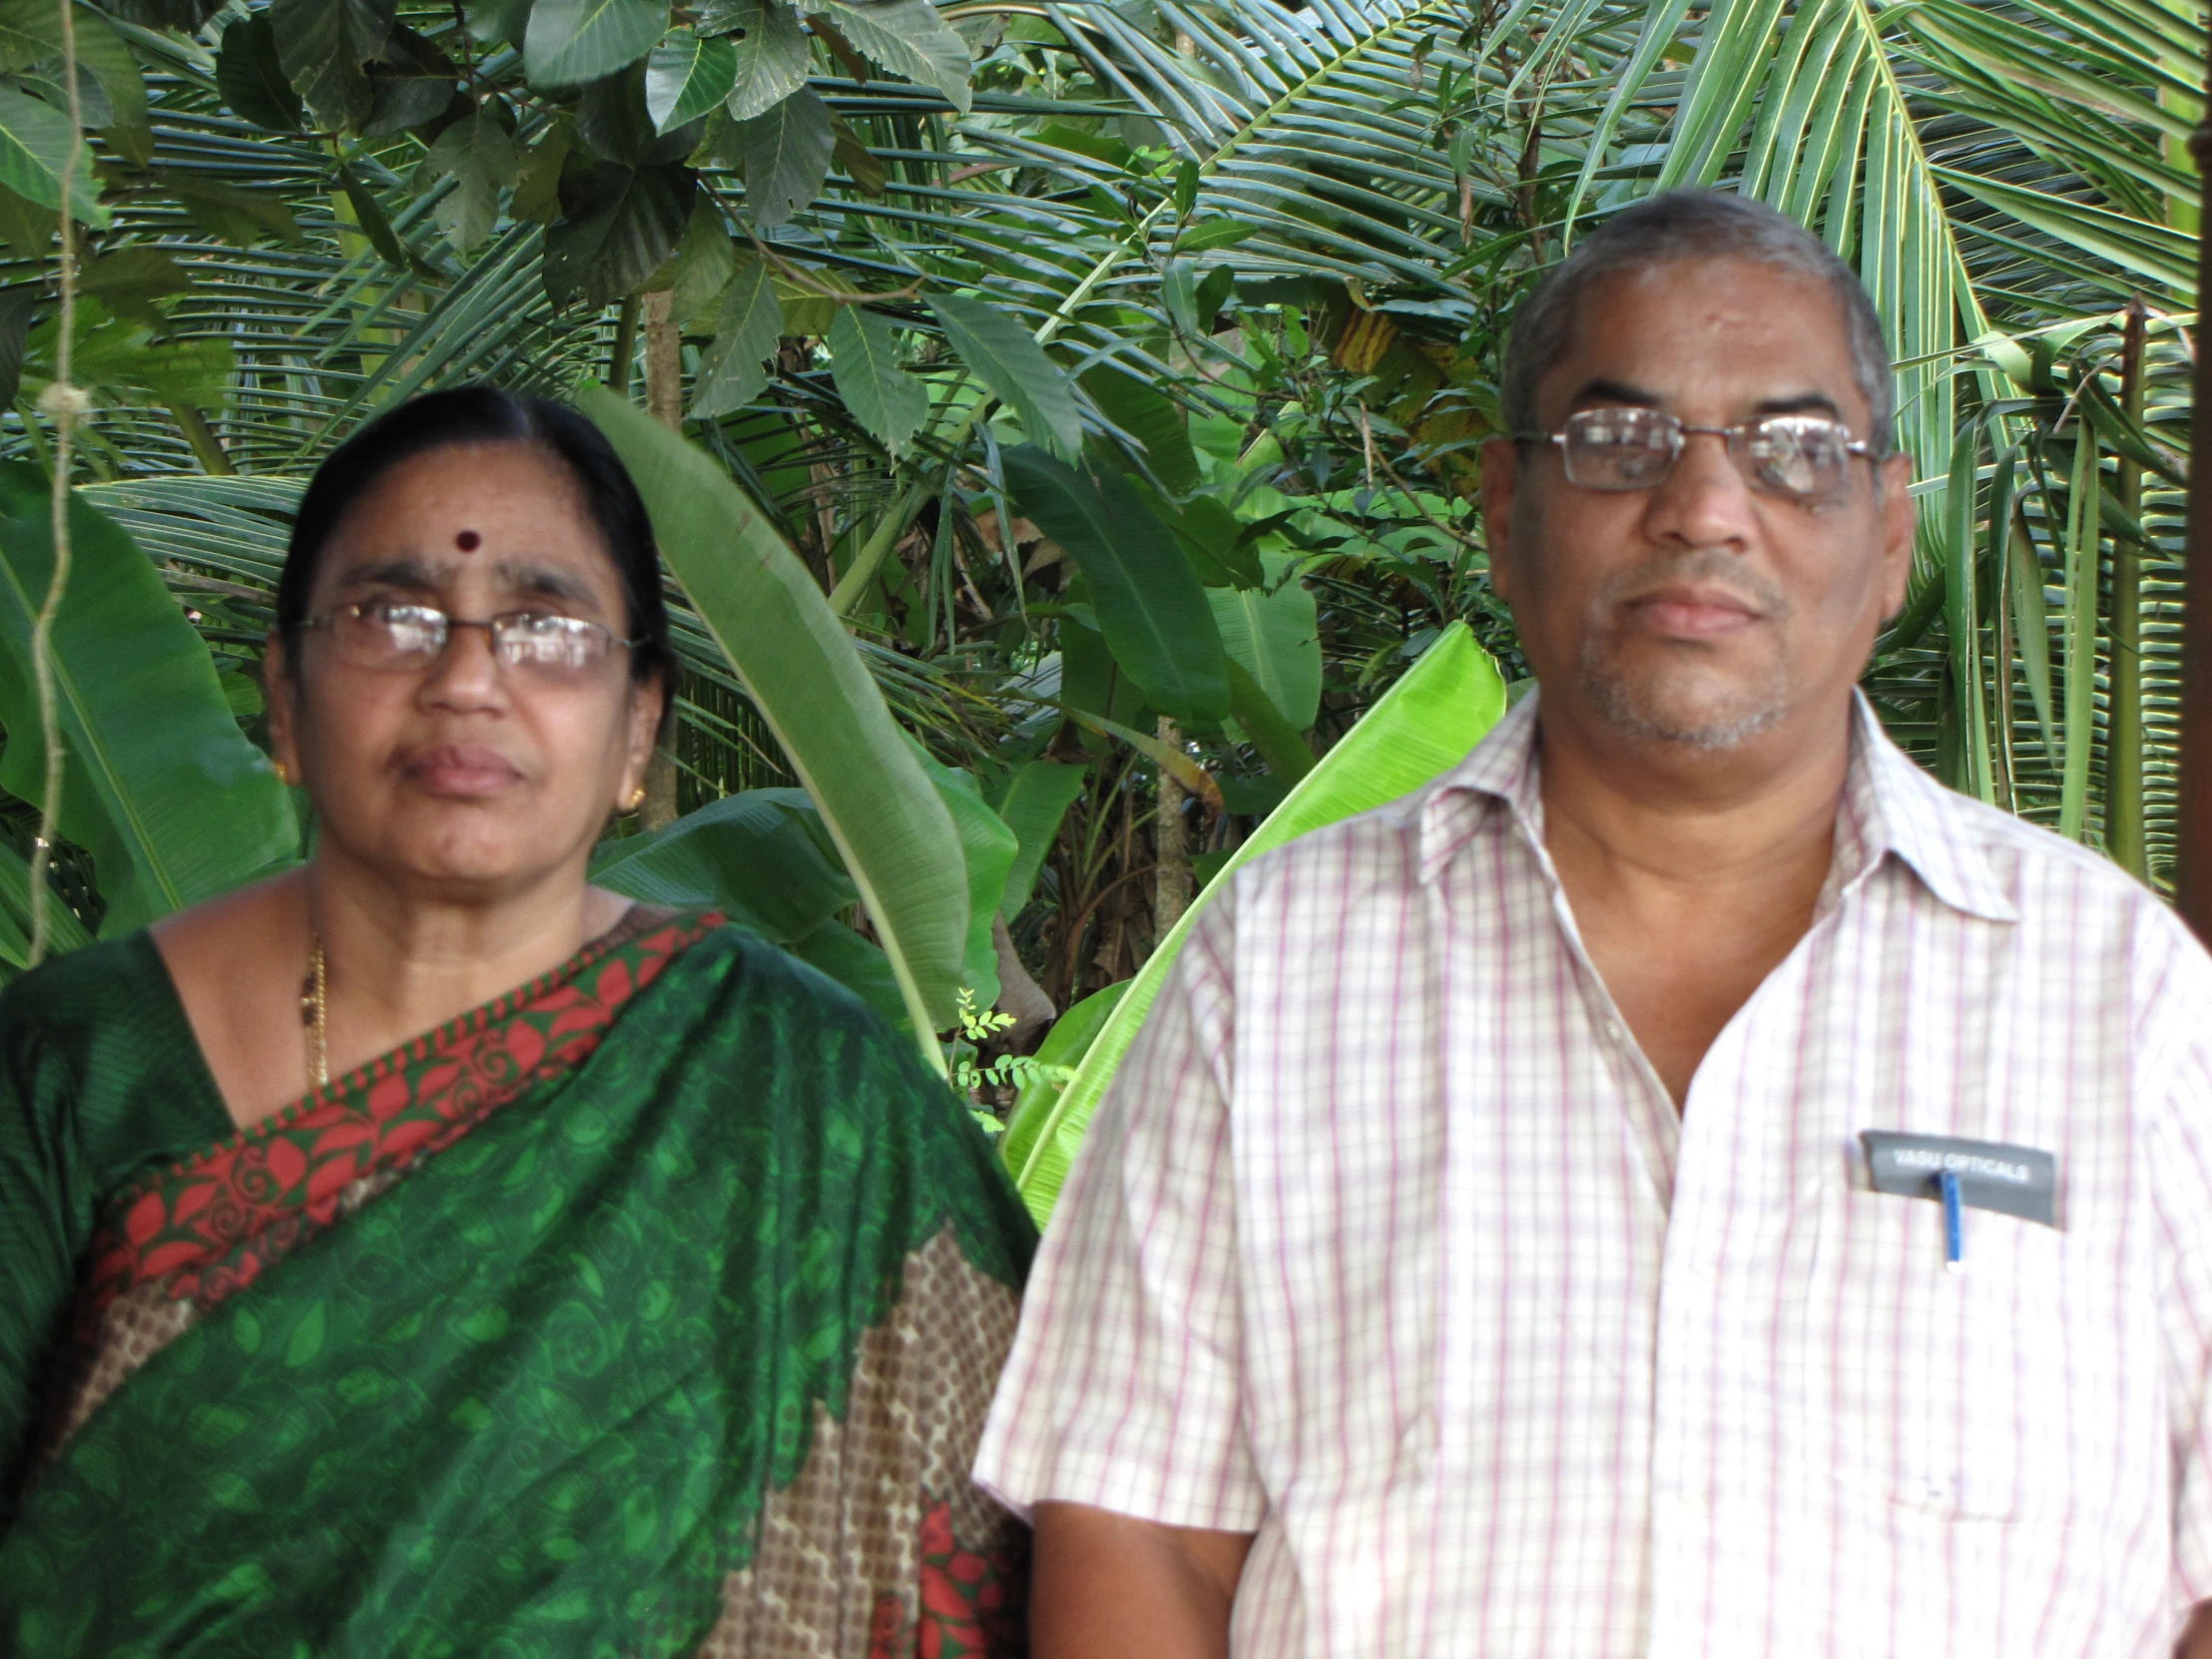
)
(502, 515)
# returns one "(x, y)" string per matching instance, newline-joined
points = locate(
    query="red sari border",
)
(208, 1226)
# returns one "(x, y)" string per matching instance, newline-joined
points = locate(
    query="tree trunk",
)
(664, 361)
(1018, 993)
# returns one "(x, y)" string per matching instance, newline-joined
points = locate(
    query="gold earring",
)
(284, 773)
(637, 798)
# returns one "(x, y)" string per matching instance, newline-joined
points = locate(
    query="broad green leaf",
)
(786, 153)
(863, 362)
(35, 144)
(909, 37)
(479, 153)
(239, 216)
(685, 76)
(617, 224)
(538, 191)
(29, 33)
(110, 87)
(1006, 357)
(1423, 726)
(702, 266)
(117, 360)
(761, 855)
(15, 329)
(63, 930)
(1065, 1045)
(804, 676)
(569, 42)
(25, 227)
(1153, 418)
(251, 78)
(1036, 799)
(773, 52)
(1277, 636)
(613, 123)
(355, 198)
(1257, 719)
(324, 46)
(988, 846)
(1215, 233)
(1150, 608)
(752, 322)
(130, 279)
(412, 83)
(173, 809)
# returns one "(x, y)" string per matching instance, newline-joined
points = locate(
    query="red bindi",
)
(468, 541)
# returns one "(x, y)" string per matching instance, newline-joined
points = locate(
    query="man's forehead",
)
(1731, 330)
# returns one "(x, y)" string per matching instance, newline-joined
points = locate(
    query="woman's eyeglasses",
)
(383, 636)
(1797, 457)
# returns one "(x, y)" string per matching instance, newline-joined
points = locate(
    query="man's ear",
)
(1900, 518)
(1501, 459)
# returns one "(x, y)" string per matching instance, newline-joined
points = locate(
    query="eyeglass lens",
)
(414, 636)
(1796, 456)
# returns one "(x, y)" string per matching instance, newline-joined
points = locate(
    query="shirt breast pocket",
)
(1945, 1391)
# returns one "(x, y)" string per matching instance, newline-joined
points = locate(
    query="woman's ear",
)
(281, 698)
(648, 704)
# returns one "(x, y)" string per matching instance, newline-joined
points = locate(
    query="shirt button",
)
(1614, 1031)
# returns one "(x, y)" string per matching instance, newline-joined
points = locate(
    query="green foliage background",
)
(1105, 365)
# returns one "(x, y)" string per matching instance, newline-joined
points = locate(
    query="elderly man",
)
(1682, 1184)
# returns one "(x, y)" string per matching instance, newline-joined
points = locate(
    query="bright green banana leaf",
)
(987, 844)
(1424, 725)
(158, 784)
(64, 932)
(799, 667)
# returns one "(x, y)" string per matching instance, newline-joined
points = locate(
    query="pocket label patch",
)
(1990, 1175)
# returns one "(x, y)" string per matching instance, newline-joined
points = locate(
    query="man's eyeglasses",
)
(383, 636)
(1797, 457)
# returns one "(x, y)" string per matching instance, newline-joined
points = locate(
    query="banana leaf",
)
(1424, 725)
(174, 809)
(803, 674)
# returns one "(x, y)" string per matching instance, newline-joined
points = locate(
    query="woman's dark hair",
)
(485, 415)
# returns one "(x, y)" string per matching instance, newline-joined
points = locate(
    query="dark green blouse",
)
(101, 1079)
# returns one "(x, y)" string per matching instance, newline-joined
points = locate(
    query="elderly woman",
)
(426, 1253)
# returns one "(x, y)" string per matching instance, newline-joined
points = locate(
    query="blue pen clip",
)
(1954, 1224)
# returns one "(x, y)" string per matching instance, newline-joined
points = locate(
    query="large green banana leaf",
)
(160, 784)
(1424, 724)
(802, 673)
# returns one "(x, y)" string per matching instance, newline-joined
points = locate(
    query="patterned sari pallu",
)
(652, 1310)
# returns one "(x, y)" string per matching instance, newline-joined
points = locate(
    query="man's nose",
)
(1704, 500)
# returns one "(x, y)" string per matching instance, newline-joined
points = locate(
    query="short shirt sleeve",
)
(1125, 1391)
(2176, 1056)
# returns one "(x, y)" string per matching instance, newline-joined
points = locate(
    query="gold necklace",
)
(314, 1012)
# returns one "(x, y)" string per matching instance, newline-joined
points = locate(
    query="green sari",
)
(650, 1310)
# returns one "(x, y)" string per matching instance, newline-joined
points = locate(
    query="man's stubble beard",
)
(1680, 706)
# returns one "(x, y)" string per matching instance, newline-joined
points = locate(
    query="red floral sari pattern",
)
(971, 1604)
(210, 1224)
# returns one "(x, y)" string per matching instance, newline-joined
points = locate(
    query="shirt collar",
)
(1890, 806)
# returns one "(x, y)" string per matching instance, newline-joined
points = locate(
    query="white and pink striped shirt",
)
(1389, 1245)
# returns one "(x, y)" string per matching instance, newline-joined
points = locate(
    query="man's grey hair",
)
(1692, 225)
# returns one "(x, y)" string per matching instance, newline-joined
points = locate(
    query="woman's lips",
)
(463, 771)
